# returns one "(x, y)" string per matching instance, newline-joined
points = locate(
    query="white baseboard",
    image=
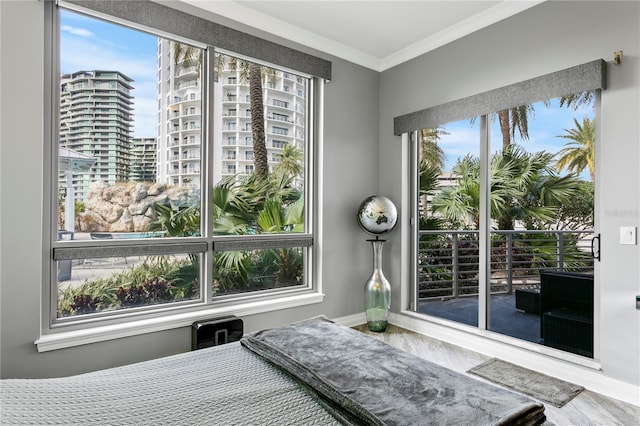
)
(352, 320)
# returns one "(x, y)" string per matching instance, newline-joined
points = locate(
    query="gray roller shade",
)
(581, 78)
(160, 17)
(263, 242)
(69, 253)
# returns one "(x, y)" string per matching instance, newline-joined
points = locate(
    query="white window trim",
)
(66, 339)
(130, 324)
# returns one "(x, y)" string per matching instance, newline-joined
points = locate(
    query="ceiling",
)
(377, 34)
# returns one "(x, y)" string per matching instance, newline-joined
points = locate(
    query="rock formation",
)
(128, 206)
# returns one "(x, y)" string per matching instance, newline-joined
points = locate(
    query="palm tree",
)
(254, 74)
(460, 203)
(514, 119)
(237, 203)
(524, 187)
(429, 150)
(579, 153)
(290, 163)
(577, 100)
(187, 54)
(249, 71)
(253, 206)
(431, 159)
(260, 159)
(517, 119)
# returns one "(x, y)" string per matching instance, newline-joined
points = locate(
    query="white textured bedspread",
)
(223, 385)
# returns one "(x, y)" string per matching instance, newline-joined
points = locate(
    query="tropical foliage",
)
(177, 221)
(578, 214)
(579, 153)
(524, 187)
(250, 206)
(514, 120)
(527, 190)
(159, 279)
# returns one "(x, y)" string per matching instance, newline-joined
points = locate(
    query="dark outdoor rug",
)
(537, 385)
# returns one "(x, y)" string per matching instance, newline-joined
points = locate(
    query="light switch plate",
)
(628, 235)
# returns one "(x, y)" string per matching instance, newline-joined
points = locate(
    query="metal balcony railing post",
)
(560, 246)
(509, 262)
(455, 265)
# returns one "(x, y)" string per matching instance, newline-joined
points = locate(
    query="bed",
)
(313, 372)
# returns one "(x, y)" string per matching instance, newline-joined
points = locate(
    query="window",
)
(280, 117)
(123, 252)
(279, 103)
(501, 197)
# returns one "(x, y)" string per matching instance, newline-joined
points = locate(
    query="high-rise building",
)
(284, 96)
(179, 117)
(179, 121)
(96, 121)
(142, 160)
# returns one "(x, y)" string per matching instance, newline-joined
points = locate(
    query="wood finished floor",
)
(588, 408)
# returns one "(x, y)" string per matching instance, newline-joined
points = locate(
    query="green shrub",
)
(160, 279)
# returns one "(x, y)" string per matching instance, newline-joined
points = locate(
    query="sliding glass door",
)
(449, 195)
(502, 200)
(541, 183)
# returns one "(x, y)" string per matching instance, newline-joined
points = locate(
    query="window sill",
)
(66, 339)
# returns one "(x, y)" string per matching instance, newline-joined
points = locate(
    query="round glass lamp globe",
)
(377, 215)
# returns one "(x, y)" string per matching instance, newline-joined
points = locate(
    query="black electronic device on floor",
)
(216, 331)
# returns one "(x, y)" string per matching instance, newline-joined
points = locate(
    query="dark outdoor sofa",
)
(566, 307)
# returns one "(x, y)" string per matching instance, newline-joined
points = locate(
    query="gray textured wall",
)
(547, 38)
(350, 150)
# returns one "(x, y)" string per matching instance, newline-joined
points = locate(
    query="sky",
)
(545, 125)
(88, 44)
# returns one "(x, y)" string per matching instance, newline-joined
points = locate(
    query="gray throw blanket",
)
(366, 381)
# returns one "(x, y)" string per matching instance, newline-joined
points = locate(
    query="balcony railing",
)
(448, 261)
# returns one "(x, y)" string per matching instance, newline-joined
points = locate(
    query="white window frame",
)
(585, 77)
(56, 333)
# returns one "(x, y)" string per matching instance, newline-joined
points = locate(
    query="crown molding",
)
(237, 12)
(470, 25)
